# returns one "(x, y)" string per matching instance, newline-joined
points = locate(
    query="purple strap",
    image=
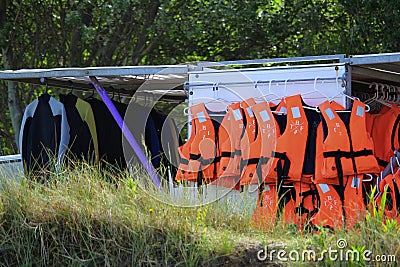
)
(125, 130)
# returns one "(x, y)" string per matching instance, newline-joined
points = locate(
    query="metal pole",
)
(125, 130)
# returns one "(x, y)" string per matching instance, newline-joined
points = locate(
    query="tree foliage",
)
(62, 33)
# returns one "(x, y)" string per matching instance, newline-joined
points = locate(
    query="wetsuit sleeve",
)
(28, 113)
(58, 109)
(88, 117)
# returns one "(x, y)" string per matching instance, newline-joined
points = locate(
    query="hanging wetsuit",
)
(169, 142)
(344, 152)
(83, 136)
(44, 133)
(108, 132)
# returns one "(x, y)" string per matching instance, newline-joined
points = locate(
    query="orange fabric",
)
(330, 213)
(228, 173)
(256, 155)
(264, 215)
(344, 155)
(183, 172)
(249, 135)
(343, 140)
(384, 125)
(292, 143)
(354, 206)
(304, 205)
(369, 122)
(202, 147)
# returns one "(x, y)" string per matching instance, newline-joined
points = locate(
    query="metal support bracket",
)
(125, 130)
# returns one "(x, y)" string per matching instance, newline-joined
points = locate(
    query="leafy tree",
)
(62, 33)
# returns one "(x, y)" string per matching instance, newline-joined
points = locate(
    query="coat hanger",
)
(352, 98)
(71, 90)
(45, 81)
(377, 98)
(315, 90)
(383, 97)
(269, 93)
(91, 95)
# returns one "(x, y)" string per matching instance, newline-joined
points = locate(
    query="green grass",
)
(89, 216)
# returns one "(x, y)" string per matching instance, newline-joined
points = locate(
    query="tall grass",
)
(88, 216)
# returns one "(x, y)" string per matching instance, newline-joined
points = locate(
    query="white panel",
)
(237, 85)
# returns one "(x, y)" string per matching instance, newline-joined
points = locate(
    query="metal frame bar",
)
(95, 71)
(375, 73)
(125, 130)
(215, 85)
(373, 58)
(339, 57)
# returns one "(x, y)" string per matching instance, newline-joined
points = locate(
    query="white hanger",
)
(267, 94)
(317, 91)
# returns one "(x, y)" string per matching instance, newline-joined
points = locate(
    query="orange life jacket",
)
(258, 164)
(201, 146)
(385, 133)
(288, 155)
(301, 205)
(249, 134)
(257, 153)
(228, 157)
(344, 155)
(297, 203)
(264, 214)
(183, 173)
(392, 204)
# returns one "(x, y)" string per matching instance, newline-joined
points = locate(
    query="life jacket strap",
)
(206, 162)
(282, 170)
(348, 154)
(195, 156)
(382, 162)
(184, 161)
(203, 162)
(228, 154)
(301, 209)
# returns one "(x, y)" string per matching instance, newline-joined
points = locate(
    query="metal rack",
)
(167, 82)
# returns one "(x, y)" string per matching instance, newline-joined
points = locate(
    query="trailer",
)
(333, 77)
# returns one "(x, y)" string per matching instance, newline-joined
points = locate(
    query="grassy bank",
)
(88, 217)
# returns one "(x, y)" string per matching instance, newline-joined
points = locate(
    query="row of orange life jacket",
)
(308, 165)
